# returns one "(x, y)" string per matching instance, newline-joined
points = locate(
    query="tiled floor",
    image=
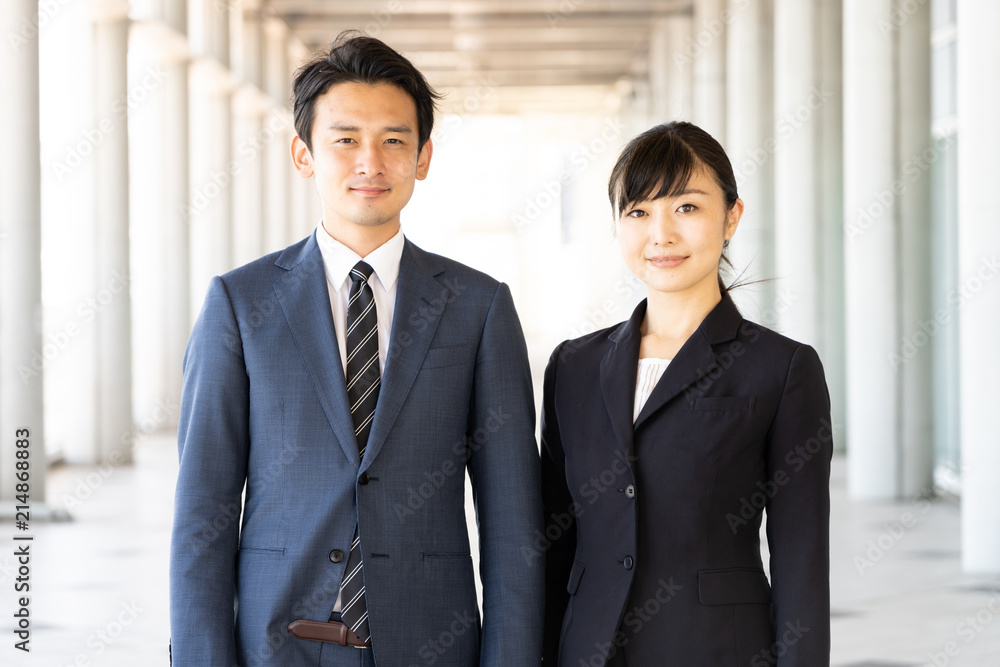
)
(99, 584)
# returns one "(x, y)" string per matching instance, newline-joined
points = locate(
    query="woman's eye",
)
(635, 213)
(687, 208)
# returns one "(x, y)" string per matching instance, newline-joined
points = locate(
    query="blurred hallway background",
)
(145, 149)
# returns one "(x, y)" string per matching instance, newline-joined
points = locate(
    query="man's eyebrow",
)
(396, 129)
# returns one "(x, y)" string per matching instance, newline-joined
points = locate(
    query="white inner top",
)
(650, 371)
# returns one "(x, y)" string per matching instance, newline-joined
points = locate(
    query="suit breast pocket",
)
(724, 404)
(442, 357)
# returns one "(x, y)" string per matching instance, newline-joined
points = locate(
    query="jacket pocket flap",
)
(724, 403)
(453, 355)
(733, 586)
(575, 575)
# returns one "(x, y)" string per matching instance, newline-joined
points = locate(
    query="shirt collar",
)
(338, 259)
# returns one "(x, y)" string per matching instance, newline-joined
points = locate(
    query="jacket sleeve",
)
(799, 449)
(560, 519)
(504, 469)
(213, 444)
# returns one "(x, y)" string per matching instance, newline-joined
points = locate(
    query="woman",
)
(665, 438)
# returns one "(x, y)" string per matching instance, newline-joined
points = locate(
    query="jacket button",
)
(628, 562)
(630, 491)
(336, 556)
(363, 479)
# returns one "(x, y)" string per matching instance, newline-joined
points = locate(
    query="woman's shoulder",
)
(597, 343)
(771, 346)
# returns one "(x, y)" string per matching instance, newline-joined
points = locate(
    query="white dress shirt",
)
(338, 260)
(650, 371)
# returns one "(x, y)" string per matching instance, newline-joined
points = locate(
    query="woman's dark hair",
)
(357, 58)
(660, 162)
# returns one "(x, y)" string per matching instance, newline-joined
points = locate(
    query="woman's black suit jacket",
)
(652, 538)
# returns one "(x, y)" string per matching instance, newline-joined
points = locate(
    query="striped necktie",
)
(363, 382)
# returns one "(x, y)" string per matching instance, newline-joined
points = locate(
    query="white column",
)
(158, 52)
(871, 266)
(20, 256)
(750, 145)
(915, 301)
(301, 189)
(798, 102)
(670, 68)
(177, 243)
(248, 175)
(831, 209)
(278, 170)
(249, 105)
(209, 211)
(886, 126)
(979, 314)
(711, 18)
(114, 349)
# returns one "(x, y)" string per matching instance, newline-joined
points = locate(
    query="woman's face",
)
(673, 244)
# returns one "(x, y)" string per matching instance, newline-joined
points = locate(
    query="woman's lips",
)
(666, 261)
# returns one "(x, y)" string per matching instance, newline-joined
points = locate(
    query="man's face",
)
(364, 157)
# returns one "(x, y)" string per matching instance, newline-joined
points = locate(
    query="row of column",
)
(979, 314)
(824, 107)
(21, 418)
(133, 232)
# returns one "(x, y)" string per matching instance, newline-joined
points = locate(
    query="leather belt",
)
(333, 632)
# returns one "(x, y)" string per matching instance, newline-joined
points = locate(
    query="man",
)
(348, 381)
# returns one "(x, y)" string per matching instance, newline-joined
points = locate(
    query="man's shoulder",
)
(272, 265)
(445, 267)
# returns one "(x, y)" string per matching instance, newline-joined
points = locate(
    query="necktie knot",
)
(362, 271)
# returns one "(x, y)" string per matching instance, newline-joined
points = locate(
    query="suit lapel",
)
(618, 373)
(696, 359)
(414, 321)
(305, 300)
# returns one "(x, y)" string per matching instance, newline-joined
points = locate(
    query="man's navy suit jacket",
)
(655, 525)
(265, 406)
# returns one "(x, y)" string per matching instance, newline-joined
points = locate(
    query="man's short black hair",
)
(357, 58)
